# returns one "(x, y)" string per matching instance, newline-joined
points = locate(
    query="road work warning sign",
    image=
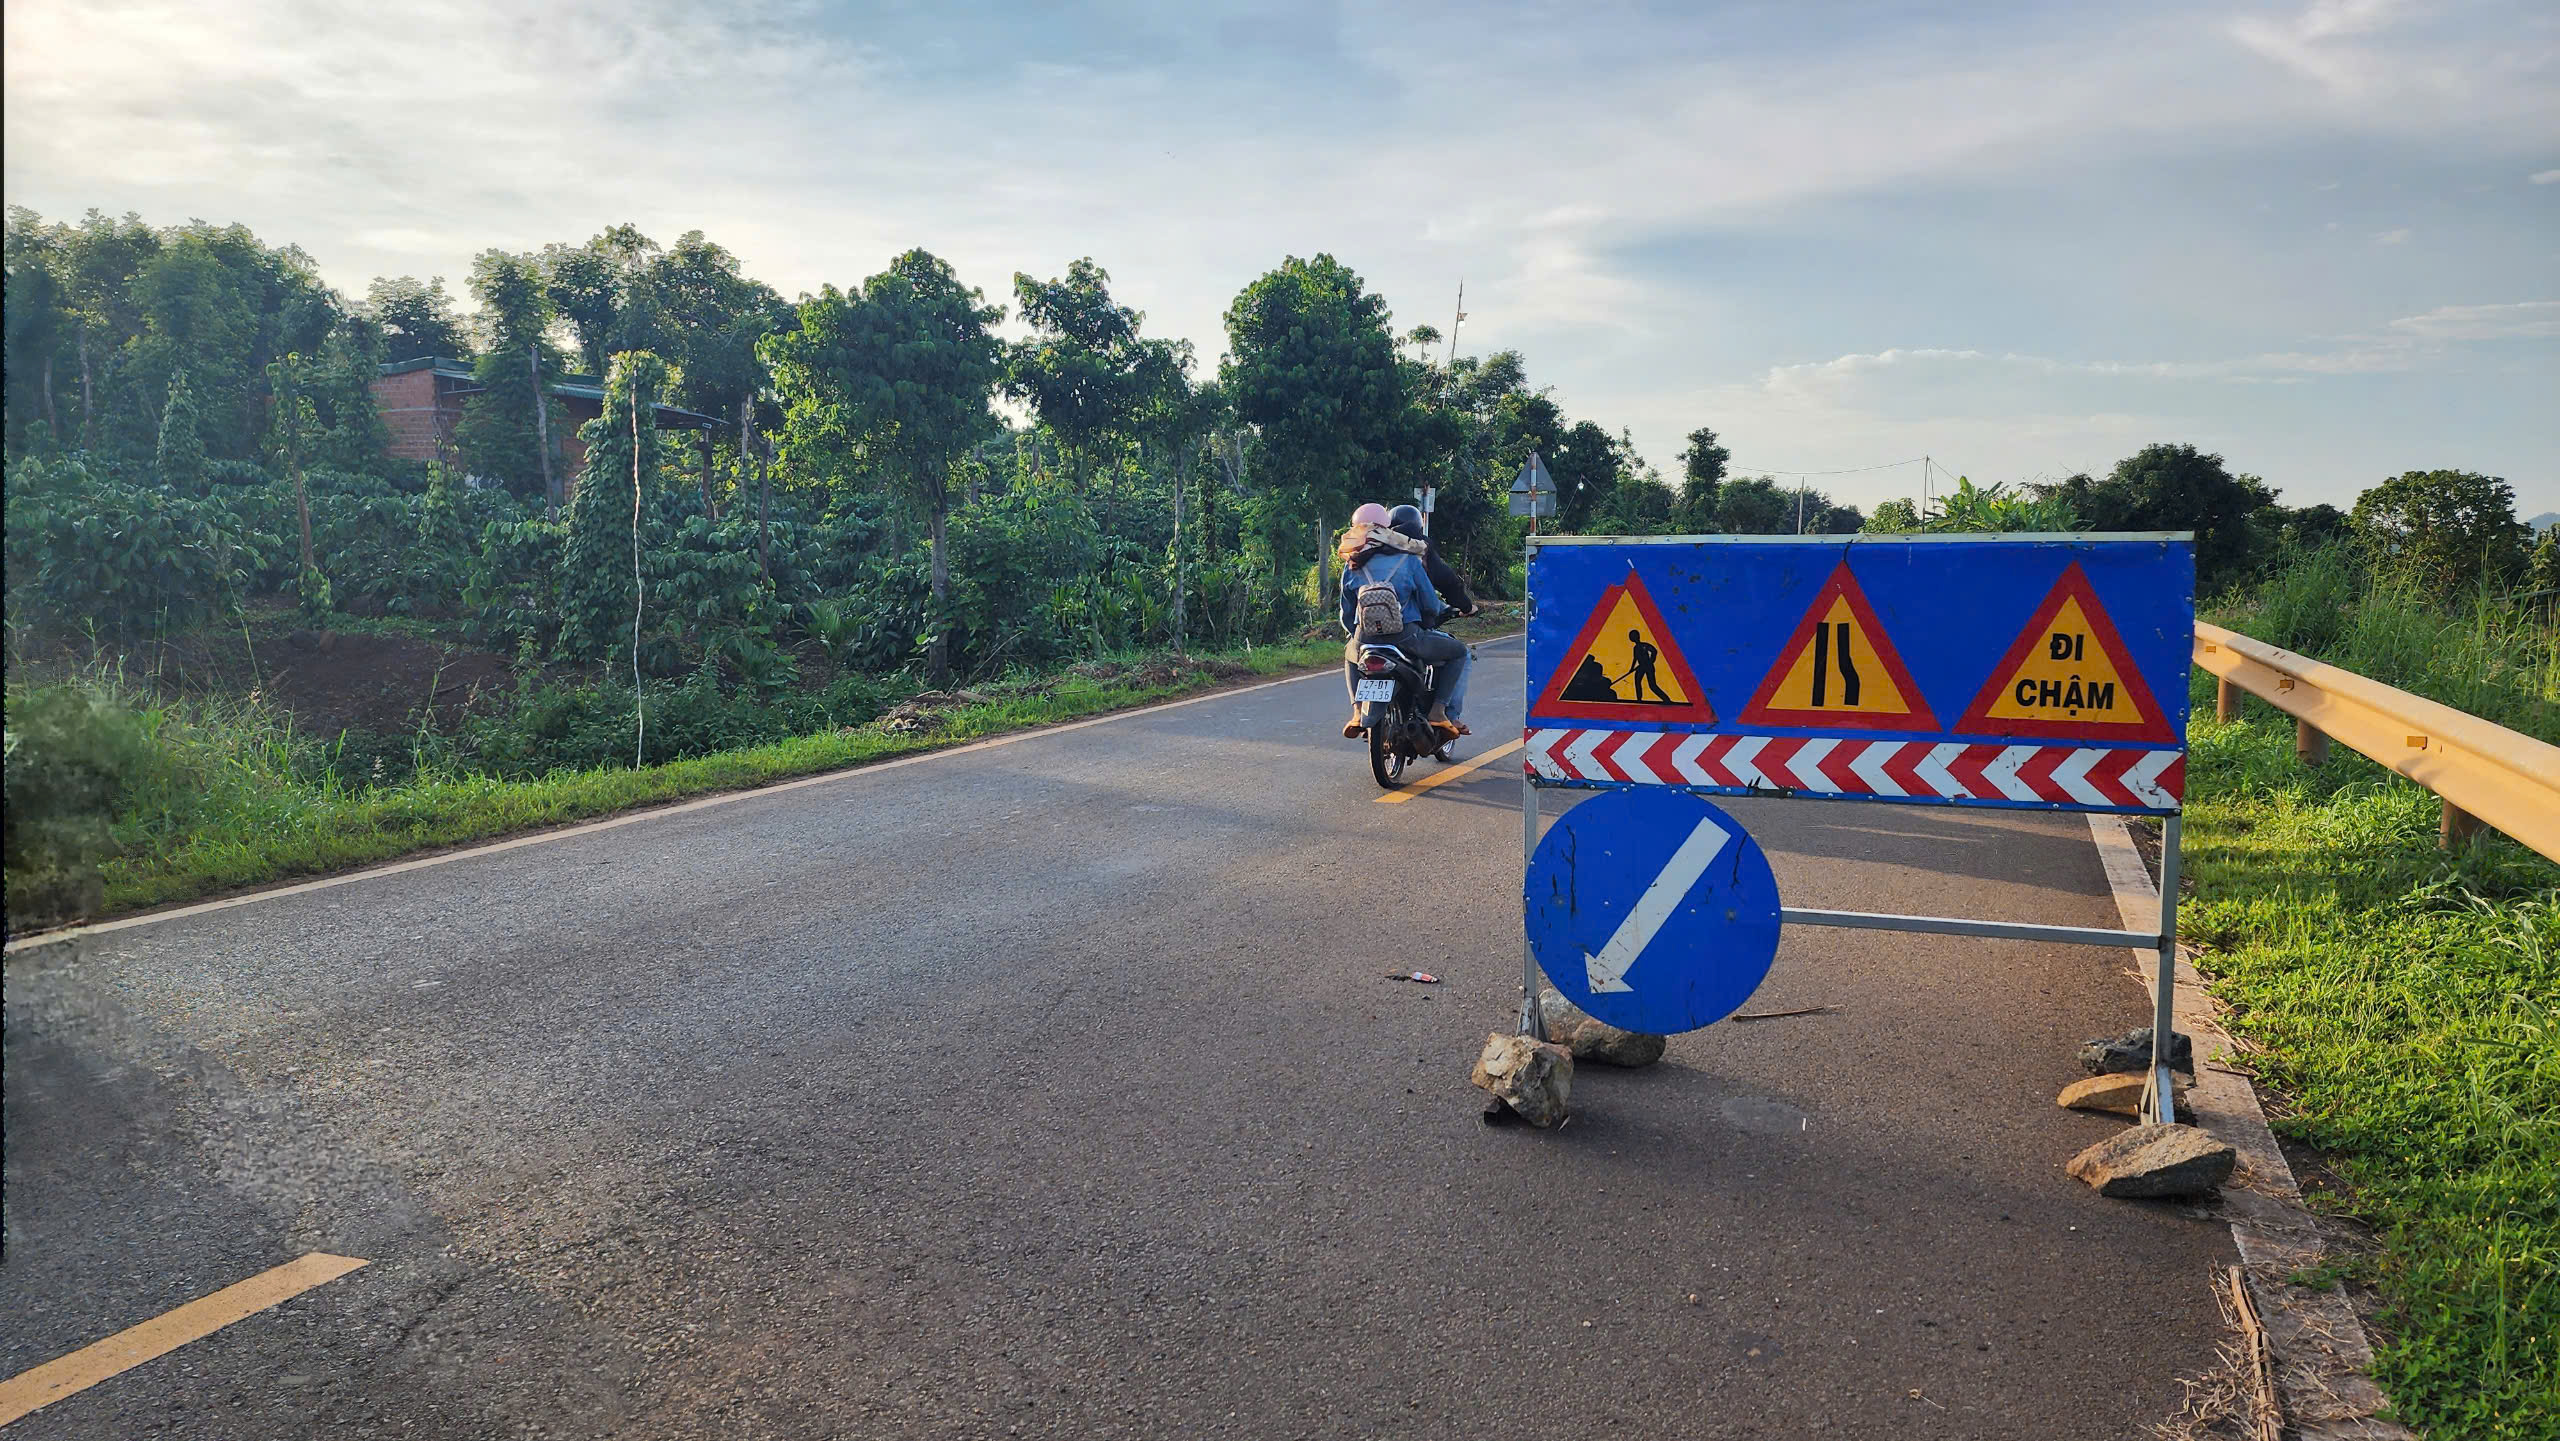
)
(1624, 665)
(2067, 674)
(1991, 670)
(1840, 668)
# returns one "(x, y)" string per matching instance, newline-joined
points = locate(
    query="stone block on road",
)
(2119, 1093)
(2155, 1161)
(1534, 1078)
(1593, 1039)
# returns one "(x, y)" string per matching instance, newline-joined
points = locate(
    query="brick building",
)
(421, 401)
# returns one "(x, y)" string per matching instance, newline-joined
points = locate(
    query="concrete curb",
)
(2322, 1358)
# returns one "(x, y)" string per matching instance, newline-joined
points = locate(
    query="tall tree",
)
(593, 288)
(1177, 418)
(40, 324)
(506, 431)
(622, 481)
(417, 320)
(899, 375)
(1755, 505)
(180, 460)
(101, 260)
(2443, 531)
(1312, 364)
(1082, 369)
(2178, 487)
(710, 320)
(294, 423)
(1587, 463)
(1702, 465)
(349, 432)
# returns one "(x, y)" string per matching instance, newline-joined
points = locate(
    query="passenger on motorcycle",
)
(1391, 554)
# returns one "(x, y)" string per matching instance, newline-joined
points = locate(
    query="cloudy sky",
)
(2323, 239)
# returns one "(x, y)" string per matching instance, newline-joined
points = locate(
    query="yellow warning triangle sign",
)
(2067, 677)
(1625, 665)
(1840, 669)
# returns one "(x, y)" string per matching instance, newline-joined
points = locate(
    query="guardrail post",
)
(2455, 826)
(2310, 743)
(2226, 700)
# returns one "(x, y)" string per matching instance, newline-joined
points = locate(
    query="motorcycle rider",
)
(1392, 554)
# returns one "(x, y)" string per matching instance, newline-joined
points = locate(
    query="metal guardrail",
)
(2486, 774)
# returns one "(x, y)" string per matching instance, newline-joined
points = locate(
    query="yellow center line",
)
(164, 1333)
(1443, 777)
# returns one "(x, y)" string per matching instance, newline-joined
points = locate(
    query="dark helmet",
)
(1406, 520)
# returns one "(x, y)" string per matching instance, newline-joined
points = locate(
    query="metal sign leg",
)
(1533, 1021)
(2159, 1100)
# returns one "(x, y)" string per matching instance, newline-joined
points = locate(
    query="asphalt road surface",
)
(1054, 1088)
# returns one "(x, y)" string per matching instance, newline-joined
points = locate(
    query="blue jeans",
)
(1448, 656)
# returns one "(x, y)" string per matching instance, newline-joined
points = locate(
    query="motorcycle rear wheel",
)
(1386, 761)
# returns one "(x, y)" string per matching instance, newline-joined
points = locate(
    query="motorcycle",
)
(1394, 696)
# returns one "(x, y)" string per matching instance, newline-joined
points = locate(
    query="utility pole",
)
(1454, 324)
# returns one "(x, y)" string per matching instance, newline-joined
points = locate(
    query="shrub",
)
(73, 755)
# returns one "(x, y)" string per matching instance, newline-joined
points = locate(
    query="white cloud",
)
(2544, 177)
(2519, 320)
(2393, 237)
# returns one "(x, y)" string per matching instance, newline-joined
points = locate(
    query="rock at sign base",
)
(1534, 1078)
(1593, 1039)
(2119, 1093)
(2155, 1161)
(2132, 1052)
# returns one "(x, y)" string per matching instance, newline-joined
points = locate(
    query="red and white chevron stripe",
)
(1949, 770)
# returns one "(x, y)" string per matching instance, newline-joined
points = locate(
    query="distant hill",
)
(2543, 522)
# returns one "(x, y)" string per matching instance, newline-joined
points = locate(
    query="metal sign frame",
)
(2158, 1102)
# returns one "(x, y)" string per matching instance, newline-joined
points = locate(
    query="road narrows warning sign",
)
(1625, 666)
(2067, 676)
(1840, 670)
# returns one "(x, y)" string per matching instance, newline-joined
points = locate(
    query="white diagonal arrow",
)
(1608, 970)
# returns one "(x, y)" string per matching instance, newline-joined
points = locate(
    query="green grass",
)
(271, 824)
(229, 798)
(2407, 1001)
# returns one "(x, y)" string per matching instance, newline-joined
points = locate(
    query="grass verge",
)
(223, 800)
(2404, 1003)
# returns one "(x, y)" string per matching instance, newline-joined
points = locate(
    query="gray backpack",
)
(1381, 614)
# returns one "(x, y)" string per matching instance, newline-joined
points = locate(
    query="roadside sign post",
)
(2022, 672)
(1533, 494)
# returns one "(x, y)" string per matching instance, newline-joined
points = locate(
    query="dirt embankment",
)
(329, 681)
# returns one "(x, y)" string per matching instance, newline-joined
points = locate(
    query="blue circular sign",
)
(1652, 910)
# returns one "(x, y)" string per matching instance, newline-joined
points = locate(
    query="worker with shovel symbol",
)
(1642, 669)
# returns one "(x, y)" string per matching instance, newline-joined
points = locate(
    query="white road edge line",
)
(2272, 1230)
(701, 803)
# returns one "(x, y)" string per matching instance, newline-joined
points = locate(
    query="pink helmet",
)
(1370, 514)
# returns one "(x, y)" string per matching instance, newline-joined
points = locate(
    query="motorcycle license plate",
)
(1376, 690)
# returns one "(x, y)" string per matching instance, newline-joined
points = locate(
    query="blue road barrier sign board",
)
(1652, 910)
(2021, 671)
